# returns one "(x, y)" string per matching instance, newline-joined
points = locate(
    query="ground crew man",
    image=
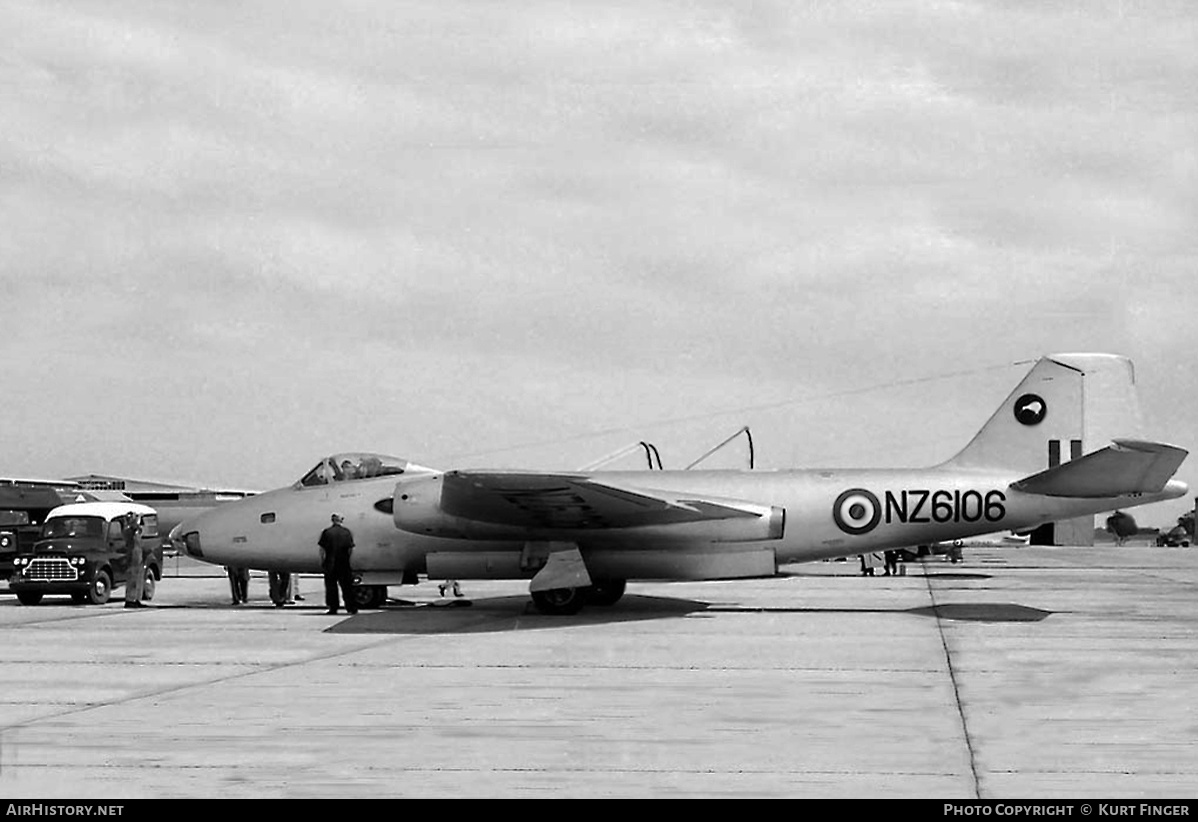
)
(336, 546)
(280, 588)
(135, 578)
(239, 583)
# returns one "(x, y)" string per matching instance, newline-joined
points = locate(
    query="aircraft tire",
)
(148, 585)
(370, 596)
(560, 601)
(29, 597)
(100, 589)
(606, 592)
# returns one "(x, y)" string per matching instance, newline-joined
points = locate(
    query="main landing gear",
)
(567, 601)
(369, 596)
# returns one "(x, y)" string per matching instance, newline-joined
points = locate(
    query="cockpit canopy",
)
(358, 465)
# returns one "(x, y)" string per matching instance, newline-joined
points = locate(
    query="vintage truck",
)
(24, 506)
(82, 553)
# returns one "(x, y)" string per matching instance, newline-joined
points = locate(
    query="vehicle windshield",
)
(354, 466)
(73, 527)
(14, 517)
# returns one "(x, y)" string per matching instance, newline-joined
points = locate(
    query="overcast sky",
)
(237, 236)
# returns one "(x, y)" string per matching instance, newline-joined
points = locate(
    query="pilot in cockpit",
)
(370, 467)
(342, 467)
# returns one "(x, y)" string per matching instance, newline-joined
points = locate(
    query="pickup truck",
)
(82, 553)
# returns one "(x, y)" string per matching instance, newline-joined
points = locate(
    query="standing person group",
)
(869, 561)
(136, 576)
(336, 547)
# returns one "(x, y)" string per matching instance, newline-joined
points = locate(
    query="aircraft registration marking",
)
(858, 510)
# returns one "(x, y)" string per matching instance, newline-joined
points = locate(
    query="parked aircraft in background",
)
(953, 549)
(25, 502)
(173, 501)
(579, 536)
(1122, 526)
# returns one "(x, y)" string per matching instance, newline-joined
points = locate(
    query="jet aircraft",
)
(578, 537)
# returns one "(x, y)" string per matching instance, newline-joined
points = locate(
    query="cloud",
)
(435, 226)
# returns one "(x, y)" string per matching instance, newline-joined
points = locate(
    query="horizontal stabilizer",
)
(1126, 467)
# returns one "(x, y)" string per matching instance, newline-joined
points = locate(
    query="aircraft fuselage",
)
(828, 513)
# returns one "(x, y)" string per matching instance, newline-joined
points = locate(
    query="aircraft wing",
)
(1126, 467)
(575, 502)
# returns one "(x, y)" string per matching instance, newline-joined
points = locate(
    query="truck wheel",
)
(100, 588)
(147, 585)
(30, 597)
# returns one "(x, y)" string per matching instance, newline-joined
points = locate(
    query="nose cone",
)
(175, 537)
(206, 535)
(179, 538)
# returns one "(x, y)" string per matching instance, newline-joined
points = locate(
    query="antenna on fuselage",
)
(651, 455)
(748, 436)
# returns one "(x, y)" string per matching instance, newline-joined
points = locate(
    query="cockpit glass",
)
(73, 527)
(353, 466)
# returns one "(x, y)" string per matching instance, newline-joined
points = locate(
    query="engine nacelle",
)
(417, 510)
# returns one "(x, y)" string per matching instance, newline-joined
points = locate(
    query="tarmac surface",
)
(1032, 673)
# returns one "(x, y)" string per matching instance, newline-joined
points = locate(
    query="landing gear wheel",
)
(100, 588)
(147, 586)
(606, 592)
(560, 601)
(370, 596)
(29, 597)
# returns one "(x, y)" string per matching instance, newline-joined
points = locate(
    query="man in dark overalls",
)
(135, 578)
(336, 546)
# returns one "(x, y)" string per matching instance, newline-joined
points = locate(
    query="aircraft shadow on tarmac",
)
(517, 613)
(503, 614)
(929, 575)
(983, 612)
(964, 612)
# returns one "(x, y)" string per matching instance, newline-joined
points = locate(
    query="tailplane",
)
(1124, 468)
(1067, 405)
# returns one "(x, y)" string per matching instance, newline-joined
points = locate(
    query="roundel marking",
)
(1030, 409)
(856, 511)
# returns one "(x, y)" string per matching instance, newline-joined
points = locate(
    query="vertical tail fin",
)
(1067, 404)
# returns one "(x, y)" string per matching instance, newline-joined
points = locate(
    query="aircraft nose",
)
(185, 538)
(175, 537)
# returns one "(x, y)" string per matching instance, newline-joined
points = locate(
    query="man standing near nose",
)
(336, 546)
(135, 578)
